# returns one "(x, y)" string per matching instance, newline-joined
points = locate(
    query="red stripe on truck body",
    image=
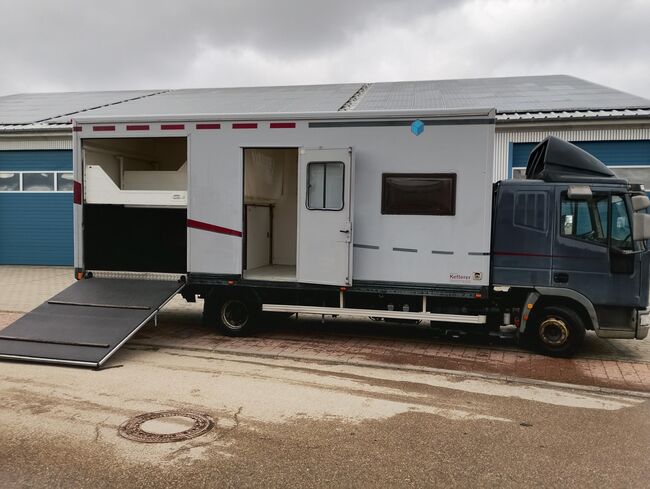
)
(204, 226)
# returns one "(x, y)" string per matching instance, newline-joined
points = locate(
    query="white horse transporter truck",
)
(388, 215)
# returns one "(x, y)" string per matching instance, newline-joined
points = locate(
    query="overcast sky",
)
(48, 45)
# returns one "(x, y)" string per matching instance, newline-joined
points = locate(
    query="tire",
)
(556, 331)
(234, 315)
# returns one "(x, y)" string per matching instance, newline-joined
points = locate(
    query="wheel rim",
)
(554, 331)
(234, 314)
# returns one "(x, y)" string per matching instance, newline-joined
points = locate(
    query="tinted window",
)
(431, 194)
(585, 219)
(530, 210)
(325, 184)
(621, 232)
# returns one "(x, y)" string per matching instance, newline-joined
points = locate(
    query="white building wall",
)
(22, 143)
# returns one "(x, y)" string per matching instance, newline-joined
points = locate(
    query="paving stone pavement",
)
(622, 364)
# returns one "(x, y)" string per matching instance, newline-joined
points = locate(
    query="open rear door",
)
(325, 182)
(87, 322)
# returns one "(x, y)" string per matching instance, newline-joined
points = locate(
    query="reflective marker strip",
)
(76, 129)
(172, 127)
(204, 226)
(76, 191)
(144, 127)
(283, 125)
(244, 125)
(103, 128)
(208, 126)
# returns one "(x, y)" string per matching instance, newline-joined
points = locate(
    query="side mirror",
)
(641, 227)
(579, 192)
(640, 202)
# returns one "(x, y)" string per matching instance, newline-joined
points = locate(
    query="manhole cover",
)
(166, 426)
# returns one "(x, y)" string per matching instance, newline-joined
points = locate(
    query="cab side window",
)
(586, 220)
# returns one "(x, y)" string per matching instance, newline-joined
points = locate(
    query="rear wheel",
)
(233, 315)
(557, 331)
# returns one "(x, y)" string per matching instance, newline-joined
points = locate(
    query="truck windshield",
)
(621, 231)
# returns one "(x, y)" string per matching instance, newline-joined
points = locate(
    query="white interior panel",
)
(258, 236)
(285, 213)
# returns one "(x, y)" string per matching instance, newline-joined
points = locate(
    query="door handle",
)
(346, 231)
(561, 278)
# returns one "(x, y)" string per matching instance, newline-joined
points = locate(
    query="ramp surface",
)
(87, 322)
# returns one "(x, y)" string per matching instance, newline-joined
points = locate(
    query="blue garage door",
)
(36, 208)
(628, 159)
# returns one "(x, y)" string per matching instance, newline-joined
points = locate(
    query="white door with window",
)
(325, 216)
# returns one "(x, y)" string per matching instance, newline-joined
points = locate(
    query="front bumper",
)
(642, 324)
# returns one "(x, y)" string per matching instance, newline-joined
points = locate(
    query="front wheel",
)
(557, 331)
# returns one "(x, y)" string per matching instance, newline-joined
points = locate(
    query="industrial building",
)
(36, 191)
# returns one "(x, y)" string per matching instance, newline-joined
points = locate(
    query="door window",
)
(585, 219)
(325, 185)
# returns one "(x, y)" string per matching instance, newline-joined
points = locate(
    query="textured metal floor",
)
(87, 322)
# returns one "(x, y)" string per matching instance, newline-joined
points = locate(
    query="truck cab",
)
(571, 240)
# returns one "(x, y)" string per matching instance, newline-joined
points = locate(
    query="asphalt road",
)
(284, 423)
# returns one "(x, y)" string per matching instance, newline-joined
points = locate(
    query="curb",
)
(404, 368)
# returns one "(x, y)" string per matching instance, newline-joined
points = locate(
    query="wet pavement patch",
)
(166, 426)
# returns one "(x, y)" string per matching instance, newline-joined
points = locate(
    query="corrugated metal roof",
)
(515, 98)
(250, 100)
(508, 94)
(573, 114)
(26, 108)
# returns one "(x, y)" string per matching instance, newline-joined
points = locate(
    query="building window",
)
(519, 173)
(430, 194)
(586, 220)
(64, 182)
(325, 185)
(31, 181)
(633, 174)
(38, 182)
(9, 181)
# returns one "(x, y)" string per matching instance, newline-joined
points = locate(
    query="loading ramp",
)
(85, 324)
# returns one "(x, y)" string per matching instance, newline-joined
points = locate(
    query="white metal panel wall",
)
(8, 143)
(504, 136)
(439, 249)
(216, 198)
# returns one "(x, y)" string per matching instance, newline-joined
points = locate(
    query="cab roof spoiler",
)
(556, 160)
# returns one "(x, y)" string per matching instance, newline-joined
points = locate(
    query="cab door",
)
(325, 182)
(594, 253)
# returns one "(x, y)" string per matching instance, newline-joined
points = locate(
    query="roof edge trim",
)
(488, 113)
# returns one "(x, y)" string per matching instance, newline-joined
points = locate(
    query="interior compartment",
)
(137, 171)
(135, 194)
(270, 210)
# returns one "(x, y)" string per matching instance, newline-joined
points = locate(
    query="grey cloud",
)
(47, 45)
